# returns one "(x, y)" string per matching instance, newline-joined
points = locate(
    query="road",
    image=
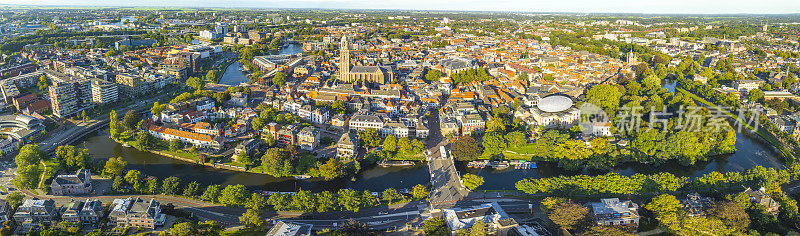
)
(70, 134)
(378, 218)
(446, 184)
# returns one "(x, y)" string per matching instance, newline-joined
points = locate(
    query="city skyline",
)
(543, 6)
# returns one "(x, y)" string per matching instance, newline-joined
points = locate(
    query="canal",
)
(234, 76)
(751, 152)
(371, 178)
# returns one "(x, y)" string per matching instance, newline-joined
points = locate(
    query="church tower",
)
(344, 59)
(631, 58)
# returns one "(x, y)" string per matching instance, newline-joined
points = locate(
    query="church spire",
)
(344, 59)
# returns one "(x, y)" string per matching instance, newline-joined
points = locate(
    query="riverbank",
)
(187, 158)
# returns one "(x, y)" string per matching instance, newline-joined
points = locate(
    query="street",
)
(446, 184)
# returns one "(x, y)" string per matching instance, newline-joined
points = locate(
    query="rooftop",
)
(554, 103)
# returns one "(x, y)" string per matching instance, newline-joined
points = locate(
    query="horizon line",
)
(382, 9)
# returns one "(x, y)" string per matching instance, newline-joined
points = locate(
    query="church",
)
(370, 74)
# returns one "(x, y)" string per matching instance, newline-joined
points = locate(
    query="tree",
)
(472, 181)
(349, 200)
(115, 129)
(244, 158)
(84, 116)
(496, 124)
(494, 143)
(275, 162)
(433, 75)
(171, 186)
(157, 108)
(42, 83)
(279, 79)
(191, 189)
(339, 107)
(419, 192)
(523, 76)
(212, 193)
(130, 120)
(515, 139)
(606, 231)
(196, 83)
(27, 177)
(251, 218)
(331, 170)
(665, 207)
(731, 213)
(28, 155)
(118, 184)
(234, 195)
(435, 227)
(368, 200)
(478, 229)
(404, 144)
(211, 76)
(175, 145)
(183, 229)
(605, 96)
(144, 141)
(390, 195)
(71, 158)
(304, 201)
(390, 143)
(133, 176)
(115, 166)
(279, 201)
(755, 95)
(370, 138)
(569, 215)
(15, 199)
(465, 148)
(652, 82)
(256, 202)
(153, 187)
(325, 201)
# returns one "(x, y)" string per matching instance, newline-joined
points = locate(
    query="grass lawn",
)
(182, 153)
(516, 156)
(402, 156)
(49, 170)
(247, 231)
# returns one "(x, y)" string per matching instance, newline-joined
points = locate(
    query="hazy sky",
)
(598, 6)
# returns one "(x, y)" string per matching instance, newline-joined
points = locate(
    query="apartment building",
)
(104, 92)
(36, 212)
(68, 95)
(136, 212)
(198, 140)
(129, 85)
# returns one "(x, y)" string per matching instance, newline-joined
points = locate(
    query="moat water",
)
(751, 151)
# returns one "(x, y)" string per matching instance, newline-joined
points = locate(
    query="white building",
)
(104, 92)
(198, 140)
(366, 121)
(555, 111)
(491, 213)
(611, 211)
